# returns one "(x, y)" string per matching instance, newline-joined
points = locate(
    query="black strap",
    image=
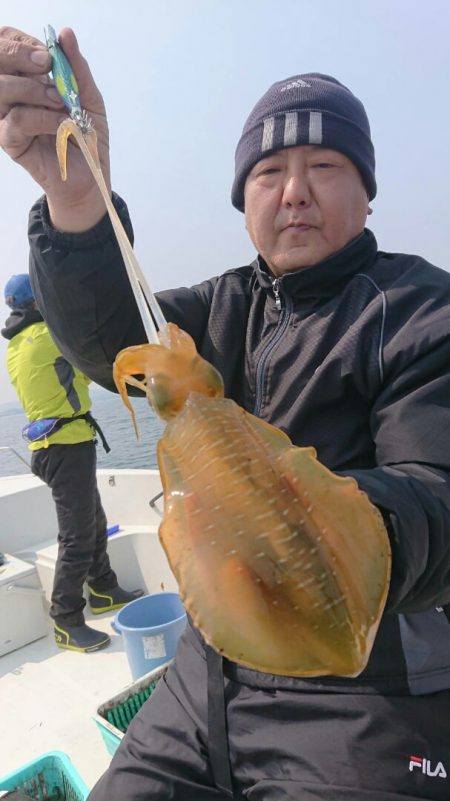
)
(217, 723)
(93, 422)
(62, 421)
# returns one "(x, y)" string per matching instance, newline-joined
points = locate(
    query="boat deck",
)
(48, 696)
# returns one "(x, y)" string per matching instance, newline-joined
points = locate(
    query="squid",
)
(283, 566)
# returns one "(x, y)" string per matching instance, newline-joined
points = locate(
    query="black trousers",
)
(283, 745)
(70, 472)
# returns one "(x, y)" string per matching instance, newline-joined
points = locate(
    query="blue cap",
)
(18, 292)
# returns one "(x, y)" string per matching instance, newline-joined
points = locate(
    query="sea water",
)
(115, 421)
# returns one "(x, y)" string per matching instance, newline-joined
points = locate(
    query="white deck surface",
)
(48, 696)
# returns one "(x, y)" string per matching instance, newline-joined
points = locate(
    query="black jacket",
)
(356, 362)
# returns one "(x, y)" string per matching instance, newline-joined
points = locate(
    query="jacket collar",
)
(329, 276)
(20, 319)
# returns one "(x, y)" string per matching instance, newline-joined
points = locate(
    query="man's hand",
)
(30, 113)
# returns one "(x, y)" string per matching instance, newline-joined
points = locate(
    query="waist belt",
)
(40, 429)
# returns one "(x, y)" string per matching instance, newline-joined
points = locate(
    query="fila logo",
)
(294, 85)
(425, 766)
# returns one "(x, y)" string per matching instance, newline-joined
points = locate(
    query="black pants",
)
(283, 745)
(70, 472)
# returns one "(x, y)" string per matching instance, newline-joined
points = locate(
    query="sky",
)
(179, 78)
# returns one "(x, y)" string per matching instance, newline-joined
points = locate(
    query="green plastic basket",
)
(50, 777)
(115, 715)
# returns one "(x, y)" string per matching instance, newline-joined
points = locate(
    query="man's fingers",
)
(16, 90)
(22, 53)
(19, 36)
(30, 113)
(22, 124)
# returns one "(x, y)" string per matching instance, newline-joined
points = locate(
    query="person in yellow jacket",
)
(61, 435)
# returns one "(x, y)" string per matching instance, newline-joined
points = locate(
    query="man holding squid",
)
(343, 347)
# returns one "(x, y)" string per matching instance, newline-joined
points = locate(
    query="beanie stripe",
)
(290, 128)
(315, 128)
(268, 132)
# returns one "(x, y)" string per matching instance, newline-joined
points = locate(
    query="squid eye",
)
(160, 395)
(213, 381)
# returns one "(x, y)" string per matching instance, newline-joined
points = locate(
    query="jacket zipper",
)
(285, 311)
(276, 292)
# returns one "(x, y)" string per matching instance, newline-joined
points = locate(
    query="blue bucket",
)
(150, 627)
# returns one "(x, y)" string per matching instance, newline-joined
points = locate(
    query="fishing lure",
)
(65, 81)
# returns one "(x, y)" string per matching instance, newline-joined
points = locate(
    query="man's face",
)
(302, 204)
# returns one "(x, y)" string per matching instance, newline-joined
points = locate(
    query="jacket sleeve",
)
(82, 290)
(410, 422)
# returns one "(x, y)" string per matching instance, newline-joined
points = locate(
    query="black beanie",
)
(310, 109)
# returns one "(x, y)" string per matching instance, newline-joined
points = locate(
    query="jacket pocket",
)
(276, 790)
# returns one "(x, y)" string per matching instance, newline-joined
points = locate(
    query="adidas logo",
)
(295, 85)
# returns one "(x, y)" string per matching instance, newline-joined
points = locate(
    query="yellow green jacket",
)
(46, 384)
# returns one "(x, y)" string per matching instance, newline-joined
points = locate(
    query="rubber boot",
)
(80, 638)
(108, 600)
